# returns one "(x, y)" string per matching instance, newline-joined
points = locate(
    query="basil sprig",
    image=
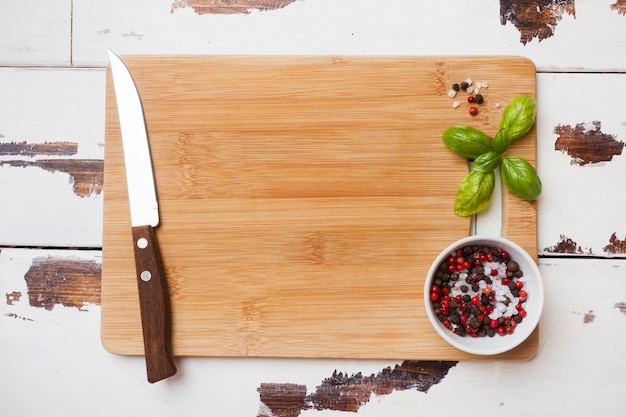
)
(517, 174)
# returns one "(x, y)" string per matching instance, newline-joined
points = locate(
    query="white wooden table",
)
(52, 82)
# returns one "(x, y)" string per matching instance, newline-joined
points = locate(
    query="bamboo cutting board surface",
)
(302, 200)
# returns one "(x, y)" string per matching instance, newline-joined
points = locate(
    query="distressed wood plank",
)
(45, 352)
(581, 135)
(51, 157)
(557, 35)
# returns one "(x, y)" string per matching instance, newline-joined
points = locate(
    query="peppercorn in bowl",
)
(484, 295)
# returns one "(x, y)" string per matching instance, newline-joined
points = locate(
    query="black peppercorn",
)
(464, 85)
(455, 87)
(479, 99)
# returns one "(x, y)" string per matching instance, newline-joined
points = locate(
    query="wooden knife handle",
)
(154, 304)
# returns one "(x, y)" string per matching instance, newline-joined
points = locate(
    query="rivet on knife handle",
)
(154, 304)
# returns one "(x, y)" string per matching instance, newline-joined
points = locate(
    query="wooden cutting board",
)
(302, 200)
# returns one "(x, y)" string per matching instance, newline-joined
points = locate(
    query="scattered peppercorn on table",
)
(53, 141)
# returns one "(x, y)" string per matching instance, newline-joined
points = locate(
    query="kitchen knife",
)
(144, 215)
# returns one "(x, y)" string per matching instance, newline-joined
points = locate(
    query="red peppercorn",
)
(473, 110)
(470, 99)
(501, 330)
(519, 285)
(522, 313)
(463, 318)
(493, 324)
(446, 323)
(445, 291)
(434, 296)
(451, 260)
(451, 268)
(466, 265)
(506, 281)
(523, 294)
(504, 254)
(494, 272)
(475, 300)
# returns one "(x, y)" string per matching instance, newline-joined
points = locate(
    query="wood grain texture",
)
(302, 200)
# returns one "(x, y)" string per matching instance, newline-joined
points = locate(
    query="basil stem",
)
(487, 162)
(474, 193)
(521, 178)
(518, 117)
(467, 141)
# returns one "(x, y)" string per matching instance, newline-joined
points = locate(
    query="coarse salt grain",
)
(451, 93)
(456, 104)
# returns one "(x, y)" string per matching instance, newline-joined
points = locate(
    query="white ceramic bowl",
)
(534, 304)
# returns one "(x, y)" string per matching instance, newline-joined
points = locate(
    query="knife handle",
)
(154, 304)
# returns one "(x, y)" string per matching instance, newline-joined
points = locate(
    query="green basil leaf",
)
(521, 178)
(501, 141)
(474, 193)
(518, 117)
(466, 141)
(487, 162)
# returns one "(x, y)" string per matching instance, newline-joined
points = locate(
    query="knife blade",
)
(151, 279)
